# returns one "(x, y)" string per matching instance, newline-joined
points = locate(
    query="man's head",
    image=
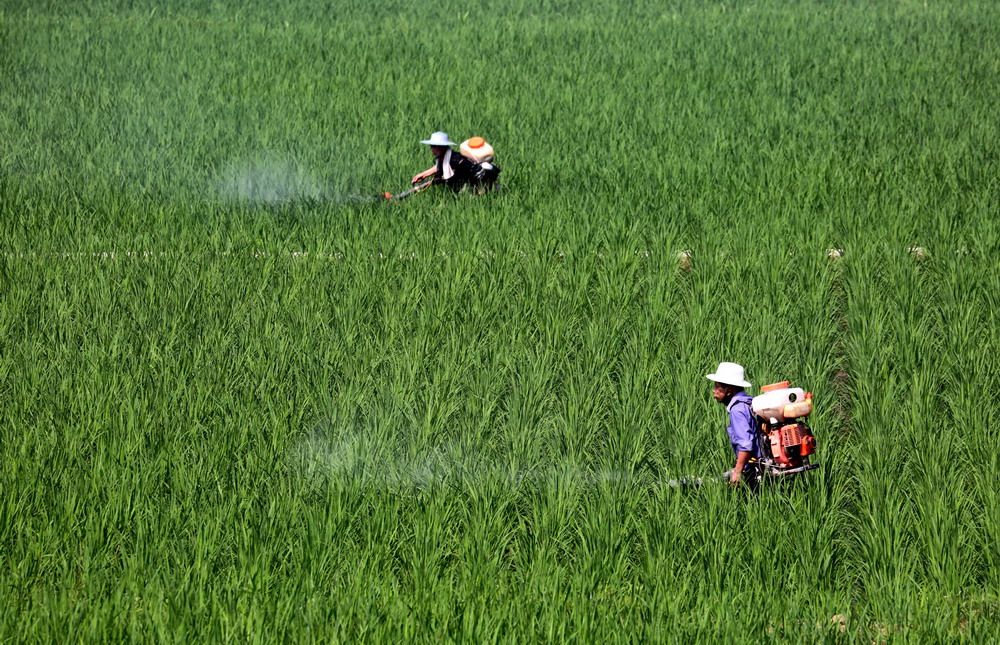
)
(728, 380)
(439, 143)
(723, 392)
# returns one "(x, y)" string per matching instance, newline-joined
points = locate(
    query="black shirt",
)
(466, 172)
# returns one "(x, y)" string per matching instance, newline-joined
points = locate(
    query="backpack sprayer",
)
(786, 440)
(476, 149)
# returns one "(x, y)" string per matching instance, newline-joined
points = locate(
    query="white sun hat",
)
(439, 139)
(730, 374)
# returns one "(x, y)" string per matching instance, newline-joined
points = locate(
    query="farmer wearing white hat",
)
(452, 168)
(743, 434)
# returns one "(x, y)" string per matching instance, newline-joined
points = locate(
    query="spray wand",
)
(412, 191)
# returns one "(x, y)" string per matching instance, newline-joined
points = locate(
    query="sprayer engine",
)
(786, 440)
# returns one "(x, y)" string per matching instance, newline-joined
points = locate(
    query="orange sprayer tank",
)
(782, 404)
(787, 441)
(774, 386)
(476, 149)
(790, 443)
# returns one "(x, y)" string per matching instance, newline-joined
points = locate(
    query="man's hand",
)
(742, 458)
(421, 176)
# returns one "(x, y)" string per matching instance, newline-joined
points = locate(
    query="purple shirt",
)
(743, 434)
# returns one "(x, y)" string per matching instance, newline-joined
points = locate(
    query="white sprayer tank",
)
(778, 406)
(477, 149)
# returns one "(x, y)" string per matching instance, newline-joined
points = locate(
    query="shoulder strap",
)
(740, 400)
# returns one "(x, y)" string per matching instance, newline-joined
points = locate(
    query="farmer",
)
(743, 433)
(454, 169)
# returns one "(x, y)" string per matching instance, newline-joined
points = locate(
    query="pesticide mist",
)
(277, 181)
(270, 181)
(371, 459)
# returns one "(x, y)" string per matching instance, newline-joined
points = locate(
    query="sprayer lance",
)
(412, 191)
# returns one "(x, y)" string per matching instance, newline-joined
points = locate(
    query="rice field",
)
(242, 400)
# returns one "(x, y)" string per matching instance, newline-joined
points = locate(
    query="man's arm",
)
(427, 173)
(743, 432)
(742, 457)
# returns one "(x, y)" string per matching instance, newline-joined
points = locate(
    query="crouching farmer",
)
(454, 169)
(743, 432)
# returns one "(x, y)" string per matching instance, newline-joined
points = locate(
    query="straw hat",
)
(439, 139)
(730, 374)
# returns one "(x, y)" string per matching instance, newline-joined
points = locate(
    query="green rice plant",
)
(243, 400)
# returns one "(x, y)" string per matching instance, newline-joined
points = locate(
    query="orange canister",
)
(476, 149)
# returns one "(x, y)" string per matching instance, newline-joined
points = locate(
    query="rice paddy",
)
(244, 400)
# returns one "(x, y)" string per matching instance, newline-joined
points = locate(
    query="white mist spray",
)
(269, 181)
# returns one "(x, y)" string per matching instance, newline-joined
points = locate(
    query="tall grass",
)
(242, 402)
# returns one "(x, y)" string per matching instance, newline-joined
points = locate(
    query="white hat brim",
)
(717, 378)
(429, 142)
